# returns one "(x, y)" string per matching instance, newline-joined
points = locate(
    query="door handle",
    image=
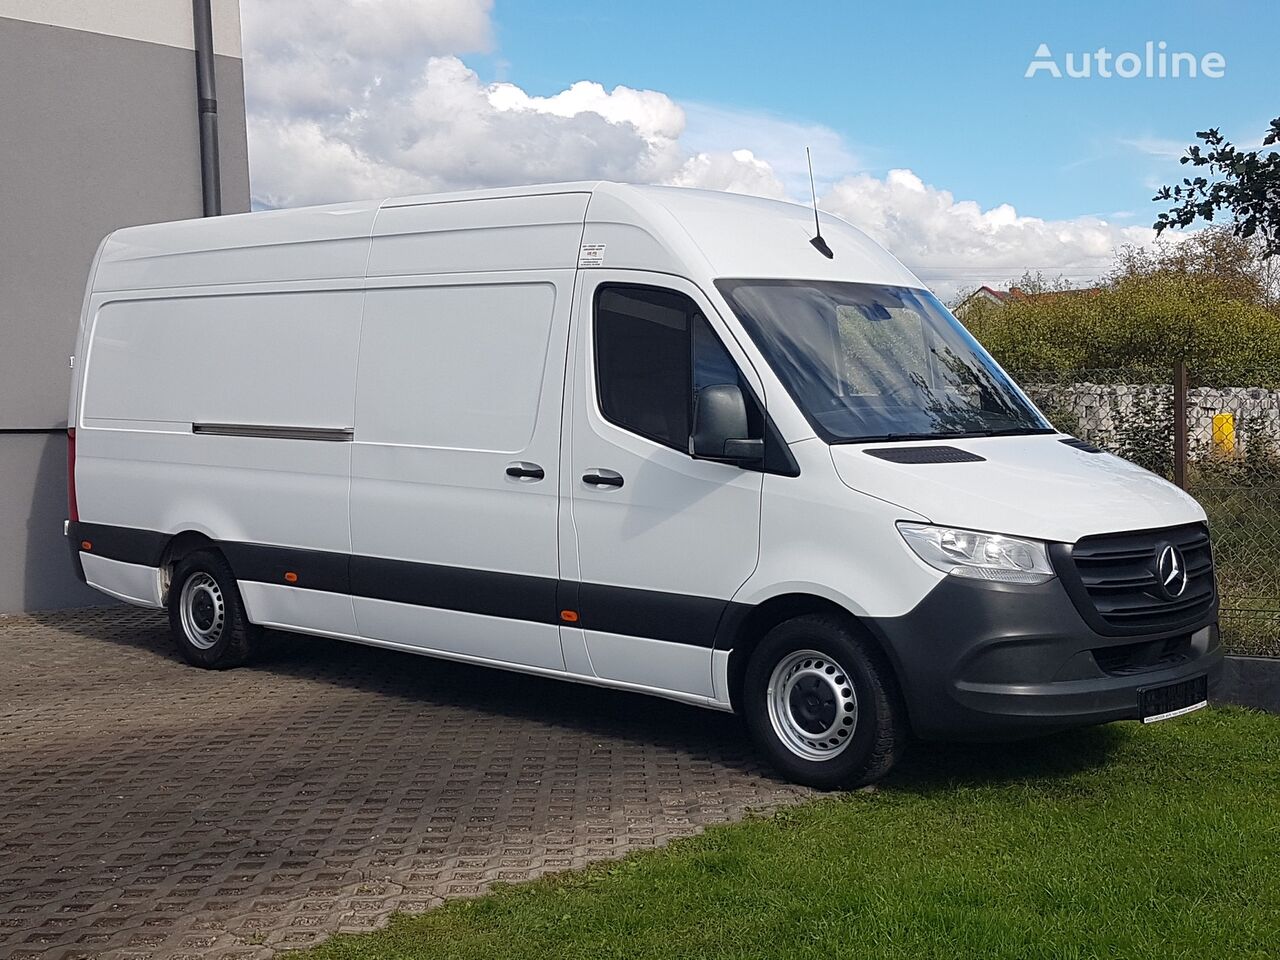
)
(525, 471)
(602, 478)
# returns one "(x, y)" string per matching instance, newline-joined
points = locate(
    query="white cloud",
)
(446, 130)
(328, 57)
(367, 98)
(777, 141)
(294, 162)
(1162, 147)
(737, 171)
(653, 114)
(954, 244)
(364, 98)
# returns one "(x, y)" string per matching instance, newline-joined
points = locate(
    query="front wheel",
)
(207, 615)
(822, 705)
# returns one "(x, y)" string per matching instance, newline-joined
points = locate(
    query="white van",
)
(640, 437)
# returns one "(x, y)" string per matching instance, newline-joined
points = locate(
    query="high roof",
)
(731, 235)
(701, 234)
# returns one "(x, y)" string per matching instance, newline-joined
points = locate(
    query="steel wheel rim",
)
(203, 610)
(812, 705)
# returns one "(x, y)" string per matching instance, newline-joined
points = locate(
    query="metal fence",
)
(1216, 433)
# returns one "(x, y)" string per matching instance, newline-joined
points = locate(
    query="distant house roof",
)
(992, 295)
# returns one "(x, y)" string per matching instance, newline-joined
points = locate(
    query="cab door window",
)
(654, 351)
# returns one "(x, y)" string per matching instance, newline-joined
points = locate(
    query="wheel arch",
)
(749, 627)
(182, 545)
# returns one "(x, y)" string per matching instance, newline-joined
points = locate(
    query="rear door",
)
(663, 541)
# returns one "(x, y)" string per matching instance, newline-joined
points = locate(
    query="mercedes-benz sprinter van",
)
(641, 437)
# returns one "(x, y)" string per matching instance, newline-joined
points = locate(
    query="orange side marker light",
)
(569, 616)
(290, 577)
(86, 545)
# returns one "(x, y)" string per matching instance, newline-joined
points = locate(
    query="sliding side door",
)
(455, 464)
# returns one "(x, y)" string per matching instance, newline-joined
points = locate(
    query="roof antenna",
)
(818, 243)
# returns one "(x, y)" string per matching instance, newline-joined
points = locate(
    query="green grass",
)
(1118, 841)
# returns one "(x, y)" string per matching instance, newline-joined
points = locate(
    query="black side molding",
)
(512, 596)
(312, 569)
(275, 431)
(629, 611)
(674, 617)
(73, 544)
(126, 544)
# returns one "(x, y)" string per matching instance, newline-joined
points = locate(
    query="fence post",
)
(1180, 424)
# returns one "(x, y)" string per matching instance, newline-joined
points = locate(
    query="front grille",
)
(1119, 583)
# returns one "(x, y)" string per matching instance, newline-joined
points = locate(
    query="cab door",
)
(663, 541)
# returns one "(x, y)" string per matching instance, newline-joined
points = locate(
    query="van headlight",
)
(979, 556)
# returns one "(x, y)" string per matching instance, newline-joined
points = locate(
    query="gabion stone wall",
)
(1255, 413)
(1106, 413)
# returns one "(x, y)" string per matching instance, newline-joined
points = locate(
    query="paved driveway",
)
(148, 808)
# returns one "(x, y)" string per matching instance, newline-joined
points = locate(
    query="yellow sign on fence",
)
(1224, 433)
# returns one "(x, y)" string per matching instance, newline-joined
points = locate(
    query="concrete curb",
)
(1251, 682)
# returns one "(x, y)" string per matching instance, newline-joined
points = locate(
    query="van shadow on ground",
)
(925, 767)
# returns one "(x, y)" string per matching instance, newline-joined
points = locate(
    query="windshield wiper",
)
(895, 437)
(1013, 432)
(956, 435)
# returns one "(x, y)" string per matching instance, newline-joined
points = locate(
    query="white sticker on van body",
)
(591, 255)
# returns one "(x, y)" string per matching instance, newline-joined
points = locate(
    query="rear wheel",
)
(207, 615)
(822, 705)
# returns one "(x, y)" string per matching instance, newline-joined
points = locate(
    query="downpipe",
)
(207, 105)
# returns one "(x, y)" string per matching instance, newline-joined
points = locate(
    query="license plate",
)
(1173, 700)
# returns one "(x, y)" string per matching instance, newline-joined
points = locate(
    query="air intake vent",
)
(1079, 444)
(1131, 659)
(925, 455)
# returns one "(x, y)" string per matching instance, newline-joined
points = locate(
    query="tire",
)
(207, 615)
(809, 681)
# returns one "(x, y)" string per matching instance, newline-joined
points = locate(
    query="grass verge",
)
(1119, 841)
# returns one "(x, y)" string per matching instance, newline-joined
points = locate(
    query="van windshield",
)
(867, 362)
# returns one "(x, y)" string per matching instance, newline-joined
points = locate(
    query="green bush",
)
(1145, 434)
(1153, 319)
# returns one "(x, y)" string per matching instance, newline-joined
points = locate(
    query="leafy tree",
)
(1249, 187)
(1206, 300)
(1034, 283)
(1237, 267)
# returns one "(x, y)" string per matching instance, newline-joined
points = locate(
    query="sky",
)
(926, 131)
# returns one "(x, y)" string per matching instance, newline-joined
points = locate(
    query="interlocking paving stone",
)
(151, 809)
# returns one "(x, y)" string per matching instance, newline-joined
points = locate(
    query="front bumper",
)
(988, 661)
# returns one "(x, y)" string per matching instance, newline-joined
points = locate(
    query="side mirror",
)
(720, 427)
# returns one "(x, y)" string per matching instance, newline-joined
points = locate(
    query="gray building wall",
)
(97, 132)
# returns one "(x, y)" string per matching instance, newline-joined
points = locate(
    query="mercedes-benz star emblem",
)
(1172, 571)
